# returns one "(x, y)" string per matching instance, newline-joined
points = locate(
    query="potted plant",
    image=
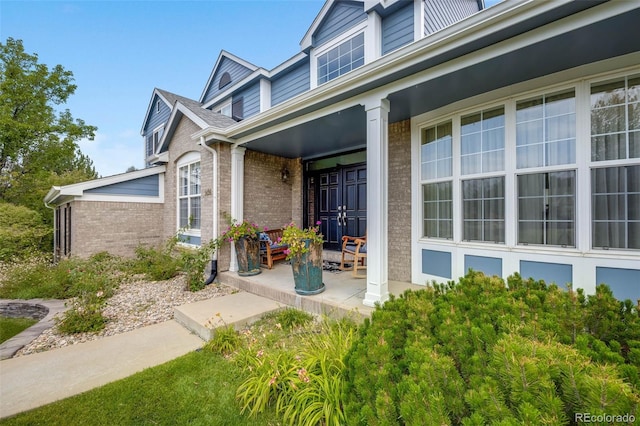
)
(245, 238)
(305, 254)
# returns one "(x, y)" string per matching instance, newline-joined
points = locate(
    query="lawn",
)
(197, 389)
(10, 327)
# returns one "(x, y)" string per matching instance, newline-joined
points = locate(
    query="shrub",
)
(157, 264)
(225, 341)
(477, 352)
(303, 379)
(290, 318)
(22, 232)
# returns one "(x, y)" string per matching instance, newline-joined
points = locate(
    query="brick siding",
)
(400, 201)
(116, 227)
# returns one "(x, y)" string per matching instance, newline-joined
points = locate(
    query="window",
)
(438, 210)
(615, 206)
(224, 80)
(225, 110)
(341, 59)
(546, 208)
(153, 141)
(615, 119)
(436, 154)
(189, 196)
(483, 209)
(482, 142)
(157, 107)
(546, 130)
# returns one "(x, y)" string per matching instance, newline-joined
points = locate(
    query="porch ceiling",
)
(346, 130)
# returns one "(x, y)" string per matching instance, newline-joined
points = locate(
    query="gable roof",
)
(167, 97)
(194, 111)
(224, 54)
(307, 41)
(61, 194)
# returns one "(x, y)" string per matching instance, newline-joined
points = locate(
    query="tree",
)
(38, 143)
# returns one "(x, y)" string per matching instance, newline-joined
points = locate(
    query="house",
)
(504, 139)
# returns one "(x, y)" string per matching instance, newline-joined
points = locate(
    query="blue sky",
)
(119, 51)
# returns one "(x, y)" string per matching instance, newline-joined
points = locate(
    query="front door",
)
(341, 204)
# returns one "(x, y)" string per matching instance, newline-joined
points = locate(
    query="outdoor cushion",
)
(265, 237)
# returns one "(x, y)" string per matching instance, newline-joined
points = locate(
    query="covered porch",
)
(343, 295)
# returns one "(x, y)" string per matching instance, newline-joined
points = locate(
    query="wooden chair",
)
(354, 251)
(270, 248)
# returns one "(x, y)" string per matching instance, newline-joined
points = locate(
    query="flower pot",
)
(307, 270)
(248, 255)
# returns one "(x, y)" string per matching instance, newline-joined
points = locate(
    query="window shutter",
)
(237, 109)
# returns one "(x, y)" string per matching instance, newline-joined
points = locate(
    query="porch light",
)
(284, 175)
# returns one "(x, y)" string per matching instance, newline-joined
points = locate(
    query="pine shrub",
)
(478, 352)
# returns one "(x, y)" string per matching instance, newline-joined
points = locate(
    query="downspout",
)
(214, 256)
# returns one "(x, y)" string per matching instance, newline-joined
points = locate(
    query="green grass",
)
(10, 327)
(196, 389)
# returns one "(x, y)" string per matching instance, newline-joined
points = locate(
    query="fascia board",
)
(307, 40)
(77, 189)
(469, 29)
(225, 54)
(288, 64)
(150, 107)
(258, 73)
(211, 134)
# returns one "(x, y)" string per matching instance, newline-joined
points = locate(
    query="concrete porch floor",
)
(343, 294)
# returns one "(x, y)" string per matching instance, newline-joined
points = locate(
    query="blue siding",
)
(439, 14)
(487, 265)
(250, 100)
(342, 16)
(397, 29)
(558, 273)
(146, 186)
(156, 118)
(624, 283)
(436, 263)
(290, 84)
(235, 70)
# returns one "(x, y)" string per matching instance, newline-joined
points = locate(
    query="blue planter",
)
(248, 255)
(307, 270)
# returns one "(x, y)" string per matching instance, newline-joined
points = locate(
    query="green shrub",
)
(302, 379)
(22, 232)
(477, 352)
(157, 264)
(291, 318)
(83, 317)
(193, 262)
(225, 341)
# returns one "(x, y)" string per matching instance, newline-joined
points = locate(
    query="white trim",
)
(186, 160)
(582, 256)
(265, 94)
(372, 37)
(418, 19)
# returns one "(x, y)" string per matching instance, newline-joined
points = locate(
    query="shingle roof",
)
(213, 119)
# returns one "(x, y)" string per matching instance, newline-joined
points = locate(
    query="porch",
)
(343, 294)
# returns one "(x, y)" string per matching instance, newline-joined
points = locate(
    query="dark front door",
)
(342, 203)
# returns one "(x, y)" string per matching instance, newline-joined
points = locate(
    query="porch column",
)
(377, 199)
(237, 194)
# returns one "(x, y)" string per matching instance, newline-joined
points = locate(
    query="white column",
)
(237, 194)
(377, 200)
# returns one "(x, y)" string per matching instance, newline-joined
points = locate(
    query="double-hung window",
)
(437, 188)
(615, 190)
(189, 197)
(482, 140)
(546, 137)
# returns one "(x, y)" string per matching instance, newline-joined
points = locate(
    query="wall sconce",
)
(284, 175)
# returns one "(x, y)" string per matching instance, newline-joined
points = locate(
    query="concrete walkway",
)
(31, 381)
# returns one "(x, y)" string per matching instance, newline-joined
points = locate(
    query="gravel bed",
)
(134, 305)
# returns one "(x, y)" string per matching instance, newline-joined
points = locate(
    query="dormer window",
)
(341, 59)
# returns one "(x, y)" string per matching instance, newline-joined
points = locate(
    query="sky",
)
(120, 50)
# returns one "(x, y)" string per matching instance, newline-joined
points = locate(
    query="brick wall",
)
(400, 201)
(116, 227)
(268, 201)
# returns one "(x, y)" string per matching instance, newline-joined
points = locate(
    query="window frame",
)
(188, 161)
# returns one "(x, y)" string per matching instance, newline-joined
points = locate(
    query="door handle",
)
(339, 215)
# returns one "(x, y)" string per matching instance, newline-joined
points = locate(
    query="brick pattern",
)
(400, 201)
(116, 227)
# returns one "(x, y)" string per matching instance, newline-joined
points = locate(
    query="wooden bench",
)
(270, 249)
